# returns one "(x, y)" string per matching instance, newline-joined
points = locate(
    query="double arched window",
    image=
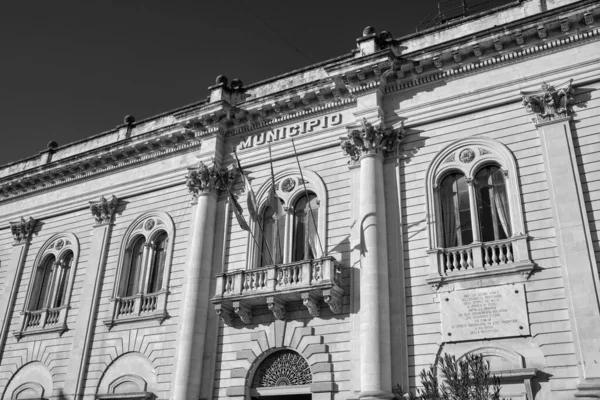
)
(49, 292)
(291, 225)
(488, 199)
(141, 285)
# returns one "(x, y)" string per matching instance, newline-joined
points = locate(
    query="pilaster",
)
(551, 108)
(21, 231)
(367, 144)
(103, 211)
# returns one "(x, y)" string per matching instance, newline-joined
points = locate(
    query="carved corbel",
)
(311, 302)
(551, 103)
(225, 313)
(243, 311)
(365, 138)
(277, 307)
(22, 230)
(333, 298)
(103, 210)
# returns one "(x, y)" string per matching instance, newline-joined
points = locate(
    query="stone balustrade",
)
(46, 319)
(478, 260)
(309, 281)
(139, 306)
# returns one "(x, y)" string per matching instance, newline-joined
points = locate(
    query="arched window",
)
(306, 216)
(131, 285)
(142, 279)
(296, 231)
(51, 282)
(273, 230)
(157, 268)
(456, 212)
(475, 214)
(492, 202)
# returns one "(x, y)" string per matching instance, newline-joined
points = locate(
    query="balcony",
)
(142, 306)
(44, 320)
(309, 281)
(478, 260)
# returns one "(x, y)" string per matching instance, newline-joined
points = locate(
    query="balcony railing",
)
(479, 259)
(139, 306)
(46, 319)
(309, 281)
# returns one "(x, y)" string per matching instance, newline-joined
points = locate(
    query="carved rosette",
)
(225, 314)
(277, 307)
(208, 179)
(333, 298)
(551, 103)
(22, 230)
(364, 138)
(243, 312)
(311, 302)
(103, 210)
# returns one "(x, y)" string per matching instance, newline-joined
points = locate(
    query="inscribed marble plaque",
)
(484, 313)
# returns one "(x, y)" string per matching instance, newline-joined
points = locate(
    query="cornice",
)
(137, 150)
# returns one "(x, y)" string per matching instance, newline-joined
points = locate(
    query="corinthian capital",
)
(365, 138)
(551, 103)
(103, 210)
(209, 179)
(22, 230)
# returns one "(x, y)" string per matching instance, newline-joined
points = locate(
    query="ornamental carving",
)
(283, 368)
(208, 179)
(225, 314)
(277, 307)
(288, 185)
(243, 312)
(365, 138)
(466, 156)
(311, 303)
(333, 299)
(22, 230)
(149, 224)
(552, 103)
(104, 209)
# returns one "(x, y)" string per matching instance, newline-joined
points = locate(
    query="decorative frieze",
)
(551, 103)
(364, 138)
(22, 230)
(103, 210)
(208, 179)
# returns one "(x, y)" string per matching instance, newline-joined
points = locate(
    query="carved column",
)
(366, 146)
(102, 211)
(21, 231)
(551, 108)
(204, 183)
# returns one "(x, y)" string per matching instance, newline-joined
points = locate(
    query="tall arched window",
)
(456, 212)
(306, 217)
(51, 282)
(142, 280)
(273, 231)
(131, 285)
(492, 202)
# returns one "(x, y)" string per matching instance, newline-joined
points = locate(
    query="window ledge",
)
(480, 260)
(141, 307)
(129, 396)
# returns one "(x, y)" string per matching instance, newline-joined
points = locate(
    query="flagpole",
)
(256, 216)
(276, 206)
(308, 200)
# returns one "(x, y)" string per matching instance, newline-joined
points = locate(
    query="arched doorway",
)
(283, 374)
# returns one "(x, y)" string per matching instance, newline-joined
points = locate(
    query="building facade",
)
(437, 193)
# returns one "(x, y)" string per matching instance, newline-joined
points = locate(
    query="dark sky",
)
(72, 69)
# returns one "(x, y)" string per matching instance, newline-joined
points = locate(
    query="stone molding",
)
(103, 210)
(364, 139)
(22, 230)
(552, 103)
(209, 179)
(96, 162)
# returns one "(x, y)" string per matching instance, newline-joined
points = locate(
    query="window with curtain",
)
(456, 211)
(273, 232)
(305, 228)
(132, 284)
(492, 203)
(157, 267)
